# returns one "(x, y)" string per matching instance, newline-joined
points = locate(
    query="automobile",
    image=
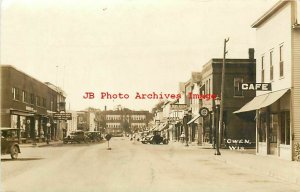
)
(154, 138)
(9, 142)
(76, 136)
(94, 136)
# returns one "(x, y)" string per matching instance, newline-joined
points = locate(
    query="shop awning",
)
(194, 119)
(261, 101)
(163, 126)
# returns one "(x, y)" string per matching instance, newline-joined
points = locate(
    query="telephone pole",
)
(222, 95)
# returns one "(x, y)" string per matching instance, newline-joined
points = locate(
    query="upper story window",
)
(24, 97)
(238, 92)
(262, 69)
(281, 64)
(271, 66)
(44, 102)
(32, 98)
(38, 101)
(15, 93)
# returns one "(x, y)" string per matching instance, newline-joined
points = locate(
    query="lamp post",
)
(217, 105)
(47, 135)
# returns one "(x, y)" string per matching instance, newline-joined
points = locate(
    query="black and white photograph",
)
(150, 95)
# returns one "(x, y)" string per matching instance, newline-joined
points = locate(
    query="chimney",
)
(105, 108)
(251, 53)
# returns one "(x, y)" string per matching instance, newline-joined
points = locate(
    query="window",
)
(24, 97)
(15, 93)
(281, 65)
(32, 98)
(44, 102)
(38, 101)
(262, 70)
(238, 92)
(285, 128)
(271, 65)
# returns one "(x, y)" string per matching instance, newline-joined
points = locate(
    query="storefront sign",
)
(30, 109)
(178, 107)
(62, 116)
(257, 86)
(238, 144)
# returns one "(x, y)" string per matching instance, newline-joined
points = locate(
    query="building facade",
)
(28, 105)
(123, 120)
(278, 63)
(238, 71)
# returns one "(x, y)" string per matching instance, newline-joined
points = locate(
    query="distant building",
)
(124, 120)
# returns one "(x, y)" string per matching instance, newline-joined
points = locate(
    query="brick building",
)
(28, 105)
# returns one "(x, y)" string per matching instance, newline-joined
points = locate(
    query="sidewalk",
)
(42, 144)
(247, 159)
(266, 165)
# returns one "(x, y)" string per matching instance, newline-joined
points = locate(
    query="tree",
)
(157, 106)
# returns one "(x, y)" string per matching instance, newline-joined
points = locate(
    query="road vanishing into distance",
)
(129, 167)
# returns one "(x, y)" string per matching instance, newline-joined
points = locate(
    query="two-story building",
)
(278, 63)
(28, 105)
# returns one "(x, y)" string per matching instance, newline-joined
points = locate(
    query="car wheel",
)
(14, 151)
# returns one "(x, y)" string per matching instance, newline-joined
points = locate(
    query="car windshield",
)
(11, 133)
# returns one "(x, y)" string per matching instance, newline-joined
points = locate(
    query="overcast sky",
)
(123, 46)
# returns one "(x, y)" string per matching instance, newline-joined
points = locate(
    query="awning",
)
(163, 126)
(261, 101)
(194, 119)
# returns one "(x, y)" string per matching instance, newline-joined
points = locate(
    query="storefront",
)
(273, 126)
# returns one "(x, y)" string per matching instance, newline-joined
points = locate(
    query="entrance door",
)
(273, 134)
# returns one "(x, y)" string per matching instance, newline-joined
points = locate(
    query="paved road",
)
(129, 167)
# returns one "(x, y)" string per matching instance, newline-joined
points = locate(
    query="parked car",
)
(76, 136)
(94, 136)
(154, 138)
(9, 142)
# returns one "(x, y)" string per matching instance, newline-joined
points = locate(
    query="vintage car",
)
(154, 138)
(9, 142)
(76, 137)
(94, 136)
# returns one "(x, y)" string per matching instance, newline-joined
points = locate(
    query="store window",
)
(285, 128)
(273, 128)
(14, 121)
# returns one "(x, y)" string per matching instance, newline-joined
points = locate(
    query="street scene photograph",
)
(150, 96)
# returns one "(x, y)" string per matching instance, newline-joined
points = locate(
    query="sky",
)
(126, 46)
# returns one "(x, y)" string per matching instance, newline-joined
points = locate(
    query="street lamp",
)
(48, 130)
(217, 104)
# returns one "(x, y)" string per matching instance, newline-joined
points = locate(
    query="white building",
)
(278, 63)
(72, 124)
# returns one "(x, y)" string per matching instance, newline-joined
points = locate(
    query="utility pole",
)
(222, 95)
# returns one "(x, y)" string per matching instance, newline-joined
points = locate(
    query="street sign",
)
(108, 137)
(62, 116)
(203, 111)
